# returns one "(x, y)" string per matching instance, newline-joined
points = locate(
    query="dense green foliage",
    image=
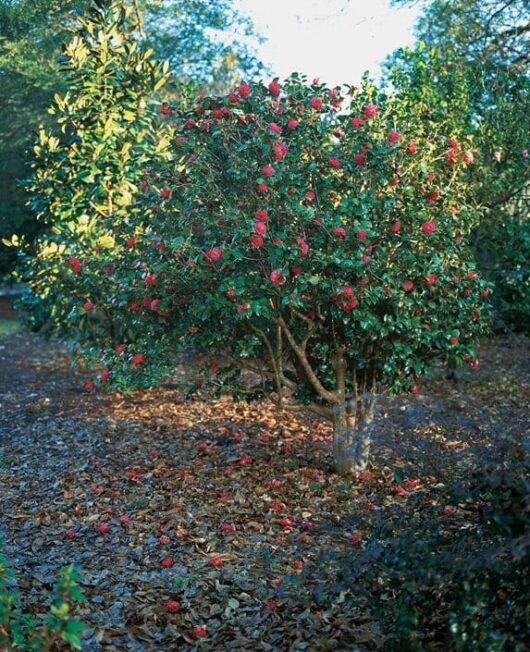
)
(203, 41)
(20, 631)
(472, 64)
(88, 168)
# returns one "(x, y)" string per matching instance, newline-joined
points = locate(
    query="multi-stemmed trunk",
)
(351, 438)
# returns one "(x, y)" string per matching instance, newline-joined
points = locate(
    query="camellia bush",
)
(322, 249)
(306, 245)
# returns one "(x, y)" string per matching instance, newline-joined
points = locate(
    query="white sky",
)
(336, 40)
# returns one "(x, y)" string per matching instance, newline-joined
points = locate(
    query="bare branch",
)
(299, 351)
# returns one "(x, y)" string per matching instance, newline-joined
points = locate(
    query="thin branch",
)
(139, 21)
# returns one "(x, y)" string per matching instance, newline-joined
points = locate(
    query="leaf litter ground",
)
(229, 509)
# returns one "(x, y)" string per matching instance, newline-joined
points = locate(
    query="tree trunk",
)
(351, 441)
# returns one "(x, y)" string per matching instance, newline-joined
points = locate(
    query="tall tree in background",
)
(204, 41)
(471, 70)
(487, 32)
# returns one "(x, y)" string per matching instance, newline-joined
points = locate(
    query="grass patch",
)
(8, 326)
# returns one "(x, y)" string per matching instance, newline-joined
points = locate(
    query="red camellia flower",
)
(431, 279)
(88, 306)
(69, 534)
(233, 98)
(172, 606)
(468, 157)
(310, 195)
(394, 136)
(130, 242)
(165, 193)
(361, 235)
(150, 279)
(268, 170)
(261, 215)
(349, 306)
(89, 386)
(277, 277)
(256, 241)
(433, 196)
(359, 159)
(164, 540)
(292, 123)
(274, 87)
(412, 148)
(198, 632)
(167, 562)
(262, 187)
(280, 151)
(124, 519)
(104, 528)
(357, 122)
(474, 364)
(138, 358)
(316, 103)
(334, 162)
(370, 111)
(298, 564)
(339, 231)
(260, 228)
(453, 341)
(165, 109)
(214, 254)
(286, 523)
(452, 157)
(104, 376)
(408, 285)
(274, 127)
(228, 528)
(75, 265)
(428, 227)
(347, 291)
(216, 562)
(245, 459)
(244, 90)
(303, 247)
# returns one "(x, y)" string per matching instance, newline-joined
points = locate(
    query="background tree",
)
(472, 63)
(88, 166)
(206, 43)
(495, 33)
